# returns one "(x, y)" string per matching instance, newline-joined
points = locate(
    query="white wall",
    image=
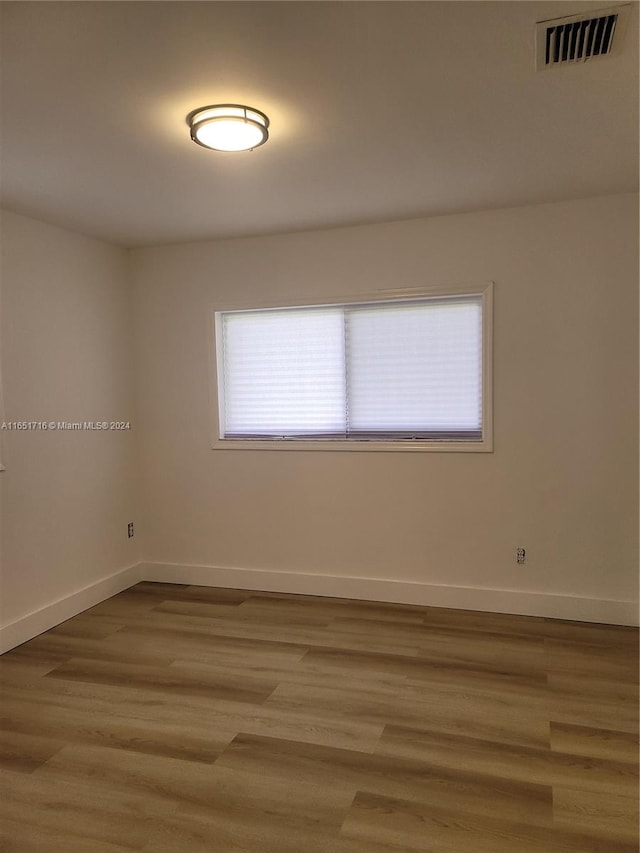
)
(66, 355)
(433, 528)
(440, 528)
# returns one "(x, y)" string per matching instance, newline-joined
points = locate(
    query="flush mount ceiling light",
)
(228, 127)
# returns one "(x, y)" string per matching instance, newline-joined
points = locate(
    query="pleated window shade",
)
(388, 370)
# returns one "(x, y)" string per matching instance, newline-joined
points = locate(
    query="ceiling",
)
(379, 111)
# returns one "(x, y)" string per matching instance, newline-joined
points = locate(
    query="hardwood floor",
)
(175, 718)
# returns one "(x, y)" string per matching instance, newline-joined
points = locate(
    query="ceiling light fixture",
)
(228, 127)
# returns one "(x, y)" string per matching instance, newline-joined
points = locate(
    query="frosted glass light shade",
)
(228, 127)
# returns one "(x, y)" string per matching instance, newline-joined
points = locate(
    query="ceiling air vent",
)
(579, 38)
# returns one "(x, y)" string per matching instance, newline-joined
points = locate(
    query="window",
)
(390, 373)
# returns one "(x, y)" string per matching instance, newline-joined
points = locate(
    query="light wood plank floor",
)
(176, 718)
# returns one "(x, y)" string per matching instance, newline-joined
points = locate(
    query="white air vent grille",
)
(580, 37)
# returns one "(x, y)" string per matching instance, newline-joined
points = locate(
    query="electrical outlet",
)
(521, 555)
(130, 530)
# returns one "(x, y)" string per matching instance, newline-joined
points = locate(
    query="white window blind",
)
(388, 370)
(284, 372)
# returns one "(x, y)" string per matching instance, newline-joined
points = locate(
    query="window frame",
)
(483, 445)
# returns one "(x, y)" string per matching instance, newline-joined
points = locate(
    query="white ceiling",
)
(379, 110)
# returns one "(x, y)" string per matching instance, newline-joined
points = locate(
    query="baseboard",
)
(34, 623)
(524, 603)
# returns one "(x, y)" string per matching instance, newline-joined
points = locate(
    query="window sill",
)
(355, 445)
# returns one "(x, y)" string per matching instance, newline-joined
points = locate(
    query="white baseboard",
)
(524, 603)
(34, 623)
(575, 608)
